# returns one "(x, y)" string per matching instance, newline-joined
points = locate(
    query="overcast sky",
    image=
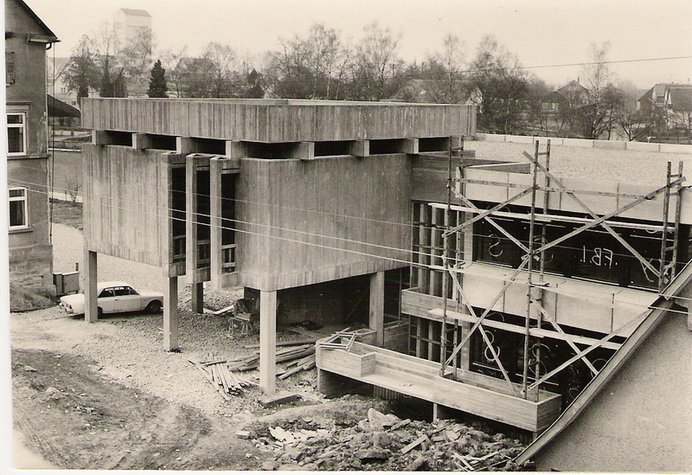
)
(540, 32)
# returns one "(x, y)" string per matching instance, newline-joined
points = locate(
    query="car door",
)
(128, 299)
(107, 301)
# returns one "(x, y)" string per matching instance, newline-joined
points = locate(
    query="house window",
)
(16, 133)
(19, 212)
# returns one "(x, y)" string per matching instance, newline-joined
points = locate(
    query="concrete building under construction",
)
(492, 287)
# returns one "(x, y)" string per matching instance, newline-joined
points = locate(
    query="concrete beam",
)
(267, 365)
(90, 286)
(170, 315)
(376, 316)
(360, 148)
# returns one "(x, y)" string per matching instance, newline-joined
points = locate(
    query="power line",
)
(607, 300)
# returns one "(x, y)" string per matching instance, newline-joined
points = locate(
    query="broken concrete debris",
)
(384, 442)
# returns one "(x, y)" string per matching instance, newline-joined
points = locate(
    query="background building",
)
(128, 23)
(30, 249)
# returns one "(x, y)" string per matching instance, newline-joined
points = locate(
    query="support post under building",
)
(170, 314)
(268, 341)
(216, 222)
(90, 286)
(376, 320)
(191, 222)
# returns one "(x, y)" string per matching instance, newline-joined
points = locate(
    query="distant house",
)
(438, 92)
(30, 248)
(675, 100)
(572, 96)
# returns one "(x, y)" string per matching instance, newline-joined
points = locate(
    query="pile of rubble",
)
(384, 442)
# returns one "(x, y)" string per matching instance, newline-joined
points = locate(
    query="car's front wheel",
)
(154, 307)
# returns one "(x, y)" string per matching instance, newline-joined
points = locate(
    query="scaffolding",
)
(533, 262)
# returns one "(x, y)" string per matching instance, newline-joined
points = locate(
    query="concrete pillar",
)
(191, 241)
(689, 317)
(268, 341)
(305, 151)
(184, 145)
(215, 202)
(376, 320)
(410, 146)
(141, 141)
(197, 300)
(90, 286)
(170, 315)
(235, 149)
(360, 148)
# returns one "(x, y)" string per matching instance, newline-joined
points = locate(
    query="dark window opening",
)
(178, 206)
(162, 142)
(119, 138)
(210, 146)
(380, 147)
(323, 149)
(433, 144)
(272, 150)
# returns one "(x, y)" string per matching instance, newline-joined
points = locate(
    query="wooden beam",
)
(90, 286)
(267, 365)
(376, 315)
(170, 314)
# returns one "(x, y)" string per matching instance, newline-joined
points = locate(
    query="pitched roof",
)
(135, 12)
(58, 108)
(38, 20)
(681, 98)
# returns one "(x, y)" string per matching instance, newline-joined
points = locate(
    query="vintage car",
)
(115, 297)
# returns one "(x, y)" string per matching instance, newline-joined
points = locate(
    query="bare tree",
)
(377, 71)
(171, 60)
(136, 59)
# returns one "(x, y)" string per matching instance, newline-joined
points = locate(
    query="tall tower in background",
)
(128, 23)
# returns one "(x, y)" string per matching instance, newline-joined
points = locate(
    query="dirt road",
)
(76, 417)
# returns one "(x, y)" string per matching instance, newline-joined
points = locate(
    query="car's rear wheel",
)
(154, 307)
(100, 312)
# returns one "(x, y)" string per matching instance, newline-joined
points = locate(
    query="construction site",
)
(491, 288)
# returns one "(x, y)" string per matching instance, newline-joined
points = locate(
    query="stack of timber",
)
(296, 366)
(223, 379)
(282, 355)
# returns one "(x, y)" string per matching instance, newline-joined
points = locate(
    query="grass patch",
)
(23, 300)
(68, 213)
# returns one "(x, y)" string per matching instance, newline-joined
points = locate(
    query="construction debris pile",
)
(383, 442)
(300, 356)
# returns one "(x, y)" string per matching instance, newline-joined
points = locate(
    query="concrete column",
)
(215, 202)
(235, 149)
(184, 145)
(689, 317)
(376, 320)
(141, 141)
(170, 315)
(360, 148)
(191, 242)
(410, 146)
(90, 286)
(268, 341)
(306, 151)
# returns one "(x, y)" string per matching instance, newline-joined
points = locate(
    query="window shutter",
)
(9, 68)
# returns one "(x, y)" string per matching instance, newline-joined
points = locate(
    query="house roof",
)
(572, 87)
(58, 108)
(135, 12)
(47, 31)
(681, 98)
